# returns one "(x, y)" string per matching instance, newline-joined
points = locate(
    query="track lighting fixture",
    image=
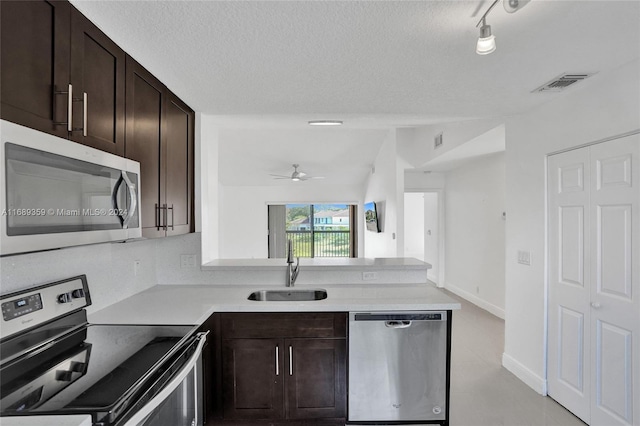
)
(487, 41)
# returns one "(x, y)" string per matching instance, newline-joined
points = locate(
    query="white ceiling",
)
(273, 65)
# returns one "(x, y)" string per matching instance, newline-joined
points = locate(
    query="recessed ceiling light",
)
(325, 123)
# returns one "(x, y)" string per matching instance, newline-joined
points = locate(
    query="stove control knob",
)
(78, 293)
(65, 298)
(63, 375)
(78, 367)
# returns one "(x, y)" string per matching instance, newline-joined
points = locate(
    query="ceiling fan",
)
(297, 176)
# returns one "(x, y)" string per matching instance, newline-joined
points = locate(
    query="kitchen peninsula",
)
(310, 338)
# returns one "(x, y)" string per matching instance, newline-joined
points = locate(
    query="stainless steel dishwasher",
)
(398, 366)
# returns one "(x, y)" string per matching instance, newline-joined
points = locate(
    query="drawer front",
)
(283, 325)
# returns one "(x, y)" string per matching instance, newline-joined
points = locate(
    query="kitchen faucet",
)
(292, 271)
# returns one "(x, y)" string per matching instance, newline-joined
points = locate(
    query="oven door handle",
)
(155, 402)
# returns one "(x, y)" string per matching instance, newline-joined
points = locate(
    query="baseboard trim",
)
(489, 307)
(523, 373)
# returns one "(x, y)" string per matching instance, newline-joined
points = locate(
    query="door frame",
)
(545, 358)
(441, 229)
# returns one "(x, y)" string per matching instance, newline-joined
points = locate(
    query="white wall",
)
(208, 189)
(417, 144)
(602, 106)
(243, 213)
(475, 232)
(385, 187)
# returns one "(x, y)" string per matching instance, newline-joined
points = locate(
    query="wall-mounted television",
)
(371, 217)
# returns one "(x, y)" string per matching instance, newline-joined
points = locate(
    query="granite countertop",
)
(193, 304)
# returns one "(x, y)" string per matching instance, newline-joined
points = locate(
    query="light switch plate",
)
(524, 257)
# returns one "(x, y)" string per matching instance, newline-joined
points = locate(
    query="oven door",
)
(178, 402)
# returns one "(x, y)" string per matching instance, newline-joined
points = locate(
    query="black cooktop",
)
(86, 369)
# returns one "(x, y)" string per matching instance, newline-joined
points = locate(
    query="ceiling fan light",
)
(486, 41)
(295, 179)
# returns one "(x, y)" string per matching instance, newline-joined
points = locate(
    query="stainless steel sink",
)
(288, 295)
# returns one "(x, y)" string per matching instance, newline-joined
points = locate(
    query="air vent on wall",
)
(562, 82)
(437, 141)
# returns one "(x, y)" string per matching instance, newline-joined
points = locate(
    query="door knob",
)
(595, 305)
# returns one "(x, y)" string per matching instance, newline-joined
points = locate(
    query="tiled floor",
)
(482, 391)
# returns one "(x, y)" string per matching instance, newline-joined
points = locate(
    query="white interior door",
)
(615, 287)
(569, 284)
(594, 287)
(414, 225)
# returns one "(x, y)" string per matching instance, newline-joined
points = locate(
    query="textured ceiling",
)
(375, 64)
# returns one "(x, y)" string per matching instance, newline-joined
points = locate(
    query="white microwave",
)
(56, 193)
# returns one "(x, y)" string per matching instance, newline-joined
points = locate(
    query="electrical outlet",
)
(524, 257)
(136, 267)
(369, 276)
(187, 260)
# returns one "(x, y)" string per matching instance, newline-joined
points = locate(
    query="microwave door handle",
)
(131, 211)
(155, 402)
(114, 198)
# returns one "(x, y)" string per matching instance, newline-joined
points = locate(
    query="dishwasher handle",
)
(397, 324)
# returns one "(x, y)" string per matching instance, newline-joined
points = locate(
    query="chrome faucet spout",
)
(292, 271)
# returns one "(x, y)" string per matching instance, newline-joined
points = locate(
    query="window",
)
(315, 230)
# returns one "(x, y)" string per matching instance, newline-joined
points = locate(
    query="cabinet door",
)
(145, 111)
(178, 165)
(35, 62)
(252, 378)
(316, 378)
(97, 69)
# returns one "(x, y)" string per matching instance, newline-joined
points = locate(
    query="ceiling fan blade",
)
(280, 176)
(316, 177)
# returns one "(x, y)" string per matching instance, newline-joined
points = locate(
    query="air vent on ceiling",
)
(562, 82)
(437, 141)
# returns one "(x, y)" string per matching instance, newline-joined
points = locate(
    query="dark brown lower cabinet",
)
(283, 377)
(316, 378)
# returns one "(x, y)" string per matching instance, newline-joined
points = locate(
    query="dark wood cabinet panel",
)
(316, 385)
(144, 107)
(307, 324)
(178, 165)
(160, 135)
(251, 375)
(97, 70)
(35, 52)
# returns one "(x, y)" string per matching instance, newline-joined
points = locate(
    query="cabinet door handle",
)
(70, 99)
(85, 102)
(171, 208)
(290, 361)
(164, 207)
(277, 363)
(157, 216)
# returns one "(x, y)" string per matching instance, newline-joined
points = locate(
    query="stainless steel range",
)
(53, 362)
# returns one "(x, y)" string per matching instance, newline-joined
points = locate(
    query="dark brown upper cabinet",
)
(35, 54)
(98, 81)
(160, 136)
(61, 74)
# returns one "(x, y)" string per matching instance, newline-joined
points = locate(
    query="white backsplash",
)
(112, 275)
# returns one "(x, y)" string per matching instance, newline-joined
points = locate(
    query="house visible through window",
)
(315, 230)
